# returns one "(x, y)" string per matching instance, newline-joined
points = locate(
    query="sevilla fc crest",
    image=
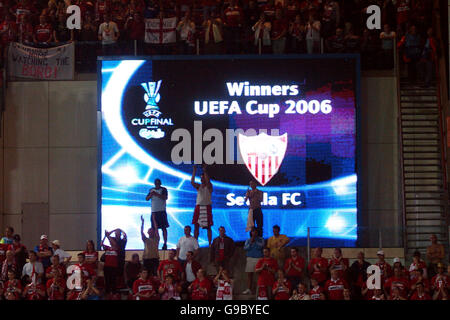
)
(262, 154)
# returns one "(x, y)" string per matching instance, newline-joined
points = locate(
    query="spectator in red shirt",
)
(13, 287)
(111, 267)
(281, 288)
(403, 10)
(316, 292)
(279, 31)
(8, 33)
(169, 289)
(201, 288)
(335, 286)
(135, 27)
(416, 277)
(20, 252)
(56, 286)
(440, 283)
(318, 267)
(385, 268)
(91, 256)
(266, 267)
(43, 32)
(87, 269)
(145, 288)
(170, 266)
(34, 291)
(339, 263)
(397, 280)
(420, 293)
(132, 270)
(25, 30)
(293, 267)
(55, 266)
(233, 20)
(418, 263)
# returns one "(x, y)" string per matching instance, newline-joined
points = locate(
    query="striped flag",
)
(263, 154)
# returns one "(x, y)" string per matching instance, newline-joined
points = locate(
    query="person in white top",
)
(64, 257)
(313, 35)
(185, 244)
(159, 196)
(33, 269)
(108, 33)
(203, 211)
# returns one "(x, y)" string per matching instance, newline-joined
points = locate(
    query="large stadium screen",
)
(287, 123)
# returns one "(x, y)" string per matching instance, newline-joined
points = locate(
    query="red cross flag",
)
(161, 31)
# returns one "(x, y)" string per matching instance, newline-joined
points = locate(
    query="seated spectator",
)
(64, 257)
(169, 289)
(55, 266)
(85, 267)
(416, 277)
(313, 34)
(293, 267)
(75, 293)
(385, 268)
(347, 295)
(253, 248)
(43, 32)
(170, 266)
(90, 257)
(358, 275)
(336, 43)
(262, 30)
(399, 281)
(318, 267)
(339, 263)
(420, 293)
(8, 264)
(201, 288)
(43, 251)
(20, 252)
(378, 295)
(224, 285)
(277, 244)
(56, 286)
(222, 250)
(151, 254)
(300, 293)
(440, 283)
(12, 288)
(418, 263)
(91, 292)
(398, 263)
(435, 254)
(281, 288)
(33, 269)
(186, 31)
(316, 292)
(335, 286)
(186, 243)
(60, 31)
(33, 290)
(213, 31)
(367, 293)
(279, 32)
(145, 288)
(8, 238)
(265, 268)
(132, 270)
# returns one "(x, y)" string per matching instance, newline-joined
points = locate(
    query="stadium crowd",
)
(42, 273)
(222, 26)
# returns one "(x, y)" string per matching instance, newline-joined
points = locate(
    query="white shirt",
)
(190, 276)
(203, 196)
(158, 204)
(62, 254)
(108, 32)
(28, 268)
(186, 244)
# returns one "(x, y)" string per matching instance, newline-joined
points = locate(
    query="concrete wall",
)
(48, 155)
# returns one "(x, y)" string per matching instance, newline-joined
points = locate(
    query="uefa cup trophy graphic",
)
(152, 96)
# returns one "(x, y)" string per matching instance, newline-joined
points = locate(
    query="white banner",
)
(161, 30)
(45, 64)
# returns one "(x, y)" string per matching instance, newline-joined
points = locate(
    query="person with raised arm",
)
(150, 256)
(203, 211)
(111, 267)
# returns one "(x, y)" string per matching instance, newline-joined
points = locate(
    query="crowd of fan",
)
(221, 26)
(181, 276)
